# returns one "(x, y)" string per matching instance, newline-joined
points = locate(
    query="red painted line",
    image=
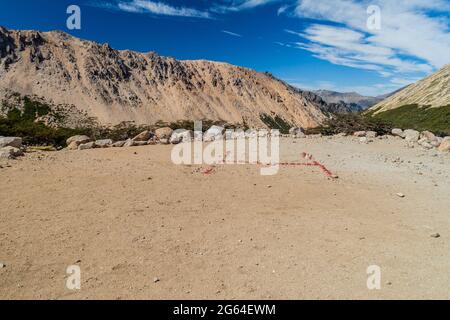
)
(322, 167)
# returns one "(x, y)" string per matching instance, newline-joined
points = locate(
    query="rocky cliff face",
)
(116, 86)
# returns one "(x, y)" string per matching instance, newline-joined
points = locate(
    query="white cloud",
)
(232, 33)
(160, 8)
(410, 40)
(239, 5)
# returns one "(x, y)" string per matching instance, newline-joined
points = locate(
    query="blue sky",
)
(313, 44)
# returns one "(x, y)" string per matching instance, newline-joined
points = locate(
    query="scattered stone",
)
(371, 134)
(163, 133)
(297, 133)
(400, 195)
(10, 142)
(435, 235)
(155, 280)
(2, 265)
(140, 143)
(164, 141)
(86, 146)
(359, 134)
(105, 143)
(143, 136)
(445, 145)
(364, 140)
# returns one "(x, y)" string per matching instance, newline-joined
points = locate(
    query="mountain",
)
(433, 91)
(115, 86)
(352, 100)
(424, 105)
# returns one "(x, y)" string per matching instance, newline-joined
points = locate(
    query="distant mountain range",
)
(349, 101)
(121, 85)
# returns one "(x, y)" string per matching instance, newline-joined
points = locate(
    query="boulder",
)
(429, 136)
(213, 133)
(10, 142)
(129, 143)
(77, 140)
(180, 135)
(118, 144)
(163, 133)
(411, 135)
(74, 145)
(238, 134)
(164, 141)
(105, 143)
(275, 133)
(143, 136)
(359, 134)
(10, 152)
(398, 133)
(86, 146)
(371, 134)
(297, 132)
(445, 146)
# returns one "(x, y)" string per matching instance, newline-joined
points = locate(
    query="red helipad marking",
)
(304, 155)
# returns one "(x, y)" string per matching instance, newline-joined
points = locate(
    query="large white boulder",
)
(15, 142)
(411, 135)
(180, 135)
(213, 133)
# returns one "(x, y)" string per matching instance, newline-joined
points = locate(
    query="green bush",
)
(436, 120)
(350, 123)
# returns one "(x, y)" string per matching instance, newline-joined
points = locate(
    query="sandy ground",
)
(128, 216)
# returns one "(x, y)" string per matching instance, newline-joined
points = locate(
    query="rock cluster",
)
(10, 147)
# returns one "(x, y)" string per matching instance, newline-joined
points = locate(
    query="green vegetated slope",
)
(412, 116)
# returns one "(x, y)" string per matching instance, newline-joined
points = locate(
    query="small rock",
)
(436, 235)
(371, 134)
(155, 280)
(400, 195)
(2, 265)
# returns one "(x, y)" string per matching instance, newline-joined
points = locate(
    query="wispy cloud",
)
(231, 33)
(239, 5)
(414, 35)
(157, 8)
